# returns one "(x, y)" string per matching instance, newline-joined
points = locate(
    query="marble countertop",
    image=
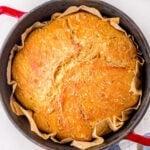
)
(10, 137)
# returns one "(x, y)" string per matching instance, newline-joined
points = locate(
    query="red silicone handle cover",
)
(11, 12)
(138, 139)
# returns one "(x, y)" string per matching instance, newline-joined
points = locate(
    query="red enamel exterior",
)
(11, 12)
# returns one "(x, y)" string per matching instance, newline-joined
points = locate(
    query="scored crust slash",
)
(75, 77)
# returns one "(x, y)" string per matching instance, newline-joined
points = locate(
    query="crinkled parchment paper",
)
(109, 124)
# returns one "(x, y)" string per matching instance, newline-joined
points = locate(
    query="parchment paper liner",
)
(110, 124)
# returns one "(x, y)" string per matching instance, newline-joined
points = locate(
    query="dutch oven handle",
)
(11, 12)
(132, 136)
(138, 139)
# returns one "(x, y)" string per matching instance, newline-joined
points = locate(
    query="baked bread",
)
(75, 72)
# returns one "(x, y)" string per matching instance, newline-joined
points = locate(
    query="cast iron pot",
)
(43, 13)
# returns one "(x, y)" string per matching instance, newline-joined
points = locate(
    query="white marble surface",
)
(138, 10)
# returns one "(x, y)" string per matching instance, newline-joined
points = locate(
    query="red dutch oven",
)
(42, 13)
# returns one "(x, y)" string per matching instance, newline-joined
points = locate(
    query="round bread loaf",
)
(73, 73)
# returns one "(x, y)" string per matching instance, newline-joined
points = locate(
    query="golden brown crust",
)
(74, 72)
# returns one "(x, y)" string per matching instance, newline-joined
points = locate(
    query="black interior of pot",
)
(43, 13)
